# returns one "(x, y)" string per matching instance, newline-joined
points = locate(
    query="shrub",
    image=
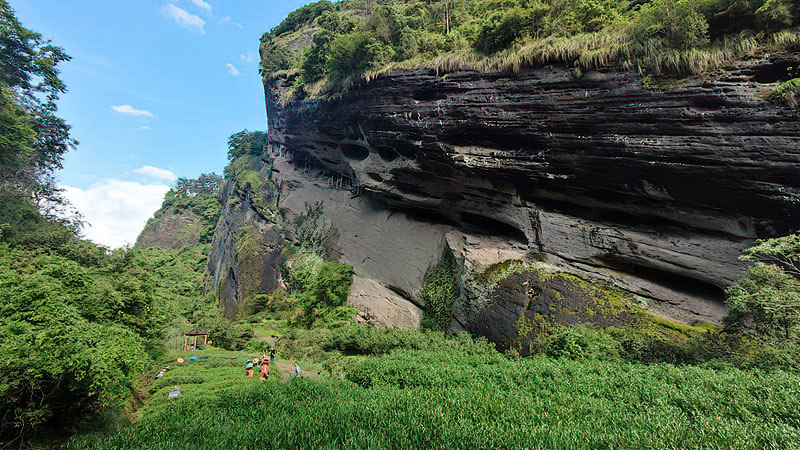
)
(675, 23)
(777, 14)
(582, 342)
(787, 93)
(72, 337)
(319, 288)
(767, 300)
(440, 288)
(228, 334)
(356, 53)
(315, 58)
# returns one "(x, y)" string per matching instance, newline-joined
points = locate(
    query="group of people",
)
(263, 364)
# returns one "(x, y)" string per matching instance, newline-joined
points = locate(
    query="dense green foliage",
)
(72, 336)
(79, 324)
(177, 277)
(440, 290)
(302, 16)
(319, 288)
(354, 38)
(203, 202)
(33, 139)
(470, 397)
(246, 143)
(766, 301)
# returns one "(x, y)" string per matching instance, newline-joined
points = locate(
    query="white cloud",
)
(202, 5)
(144, 128)
(116, 210)
(228, 20)
(233, 70)
(155, 172)
(131, 111)
(250, 57)
(184, 18)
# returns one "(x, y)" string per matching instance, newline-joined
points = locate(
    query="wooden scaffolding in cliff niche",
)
(193, 338)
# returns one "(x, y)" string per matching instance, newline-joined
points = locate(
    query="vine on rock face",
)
(440, 289)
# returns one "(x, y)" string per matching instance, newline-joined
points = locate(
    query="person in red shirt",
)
(264, 369)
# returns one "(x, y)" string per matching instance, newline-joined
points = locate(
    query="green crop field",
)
(471, 399)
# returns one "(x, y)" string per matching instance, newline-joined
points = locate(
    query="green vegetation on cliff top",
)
(353, 39)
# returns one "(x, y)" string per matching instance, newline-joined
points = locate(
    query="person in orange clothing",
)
(249, 366)
(264, 369)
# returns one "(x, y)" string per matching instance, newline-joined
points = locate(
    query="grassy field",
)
(470, 398)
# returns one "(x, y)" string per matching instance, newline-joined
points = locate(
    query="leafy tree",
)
(501, 29)
(315, 58)
(767, 299)
(29, 80)
(246, 143)
(568, 17)
(302, 16)
(731, 16)
(72, 337)
(321, 289)
(783, 252)
(17, 134)
(207, 183)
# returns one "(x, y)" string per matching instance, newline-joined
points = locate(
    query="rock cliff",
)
(245, 253)
(171, 229)
(655, 189)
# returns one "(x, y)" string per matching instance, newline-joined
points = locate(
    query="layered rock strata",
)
(656, 190)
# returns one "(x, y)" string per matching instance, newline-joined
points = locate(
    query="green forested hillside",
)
(329, 45)
(79, 323)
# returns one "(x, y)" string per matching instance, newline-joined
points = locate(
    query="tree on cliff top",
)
(246, 142)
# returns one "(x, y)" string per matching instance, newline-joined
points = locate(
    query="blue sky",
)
(155, 88)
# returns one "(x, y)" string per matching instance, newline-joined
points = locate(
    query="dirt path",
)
(287, 370)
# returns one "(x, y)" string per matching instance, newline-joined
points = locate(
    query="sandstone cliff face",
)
(654, 190)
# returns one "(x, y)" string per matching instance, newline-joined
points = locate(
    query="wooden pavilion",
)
(194, 337)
